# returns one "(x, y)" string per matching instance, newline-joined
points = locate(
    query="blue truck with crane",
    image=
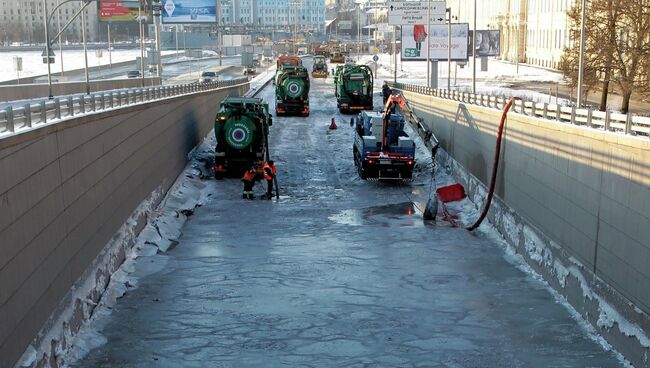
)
(382, 149)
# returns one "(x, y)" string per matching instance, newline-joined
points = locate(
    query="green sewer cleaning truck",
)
(353, 87)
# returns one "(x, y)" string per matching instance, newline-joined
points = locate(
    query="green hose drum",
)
(293, 87)
(239, 132)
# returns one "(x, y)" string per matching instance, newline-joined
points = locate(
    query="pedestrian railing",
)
(16, 119)
(628, 124)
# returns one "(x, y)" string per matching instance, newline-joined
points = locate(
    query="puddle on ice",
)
(401, 214)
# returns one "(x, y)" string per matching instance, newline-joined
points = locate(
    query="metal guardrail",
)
(32, 115)
(603, 120)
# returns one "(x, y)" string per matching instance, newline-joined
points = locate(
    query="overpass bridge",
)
(117, 252)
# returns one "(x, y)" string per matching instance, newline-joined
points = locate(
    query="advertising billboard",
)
(415, 40)
(345, 24)
(488, 42)
(189, 11)
(123, 10)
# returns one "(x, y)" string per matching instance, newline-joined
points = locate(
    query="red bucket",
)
(451, 193)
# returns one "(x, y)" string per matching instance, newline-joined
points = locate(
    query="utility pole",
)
(58, 25)
(474, 53)
(156, 8)
(83, 36)
(358, 30)
(218, 32)
(47, 50)
(395, 53)
(449, 49)
(429, 71)
(141, 28)
(581, 66)
(517, 49)
(110, 48)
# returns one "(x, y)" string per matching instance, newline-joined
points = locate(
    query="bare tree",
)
(631, 60)
(617, 44)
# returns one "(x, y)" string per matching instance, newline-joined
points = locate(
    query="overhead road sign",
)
(415, 12)
(414, 42)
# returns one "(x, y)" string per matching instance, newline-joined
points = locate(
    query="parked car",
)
(133, 74)
(208, 77)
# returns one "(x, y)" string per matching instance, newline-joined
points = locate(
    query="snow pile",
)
(158, 236)
(110, 277)
(57, 334)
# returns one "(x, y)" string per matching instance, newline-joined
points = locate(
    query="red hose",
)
(495, 165)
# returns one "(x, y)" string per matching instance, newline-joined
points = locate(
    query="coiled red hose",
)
(495, 165)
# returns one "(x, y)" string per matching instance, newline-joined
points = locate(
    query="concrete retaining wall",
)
(30, 91)
(67, 188)
(575, 202)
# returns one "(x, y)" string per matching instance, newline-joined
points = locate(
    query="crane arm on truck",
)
(392, 102)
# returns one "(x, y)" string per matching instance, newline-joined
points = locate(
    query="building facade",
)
(277, 14)
(532, 31)
(548, 31)
(24, 21)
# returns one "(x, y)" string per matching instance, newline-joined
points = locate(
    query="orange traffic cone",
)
(333, 124)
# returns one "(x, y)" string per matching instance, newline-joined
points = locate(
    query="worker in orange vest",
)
(269, 173)
(249, 182)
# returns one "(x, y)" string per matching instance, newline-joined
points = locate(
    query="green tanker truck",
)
(353, 87)
(291, 89)
(241, 128)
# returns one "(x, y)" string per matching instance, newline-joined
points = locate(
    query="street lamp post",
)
(83, 36)
(156, 10)
(58, 24)
(474, 53)
(47, 51)
(448, 49)
(141, 29)
(429, 71)
(219, 21)
(110, 48)
(581, 66)
(48, 41)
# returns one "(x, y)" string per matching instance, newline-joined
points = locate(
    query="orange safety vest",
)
(249, 176)
(272, 169)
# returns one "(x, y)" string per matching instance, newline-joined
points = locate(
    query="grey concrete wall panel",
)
(587, 191)
(68, 187)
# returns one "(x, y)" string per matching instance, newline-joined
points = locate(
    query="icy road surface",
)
(338, 273)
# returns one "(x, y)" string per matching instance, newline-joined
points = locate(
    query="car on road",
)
(133, 74)
(208, 77)
(250, 70)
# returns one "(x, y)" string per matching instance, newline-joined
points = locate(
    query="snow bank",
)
(80, 303)
(161, 232)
